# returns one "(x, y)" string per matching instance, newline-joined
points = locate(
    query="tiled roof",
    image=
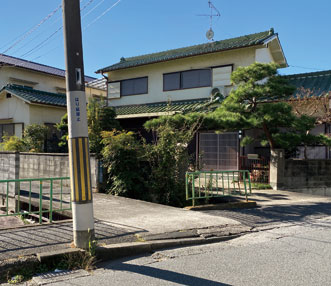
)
(217, 46)
(317, 82)
(12, 61)
(174, 106)
(36, 96)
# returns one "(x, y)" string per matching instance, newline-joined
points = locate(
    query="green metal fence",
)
(35, 197)
(208, 184)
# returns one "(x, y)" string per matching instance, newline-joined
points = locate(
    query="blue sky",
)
(136, 27)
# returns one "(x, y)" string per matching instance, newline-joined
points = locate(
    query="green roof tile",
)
(36, 96)
(318, 83)
(174, 106)
(217, 46)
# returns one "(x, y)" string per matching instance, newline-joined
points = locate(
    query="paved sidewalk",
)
(273, 198)
(279, 207)
(118, 220)
(121, 220)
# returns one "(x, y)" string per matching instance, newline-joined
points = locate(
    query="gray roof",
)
(12, 61)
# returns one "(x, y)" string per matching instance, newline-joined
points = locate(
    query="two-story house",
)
(141, 87)
(34, 93)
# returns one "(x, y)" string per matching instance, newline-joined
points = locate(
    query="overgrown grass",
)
(72, 261)
(261, 186)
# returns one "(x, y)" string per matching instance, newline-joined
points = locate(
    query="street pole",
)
(79, 156)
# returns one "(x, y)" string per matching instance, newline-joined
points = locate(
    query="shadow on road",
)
(167, 275)
(276, 214)
(39, 238)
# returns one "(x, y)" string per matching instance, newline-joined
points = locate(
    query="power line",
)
(33, 39)
(57, 46)
(42, 43)
(33, 29)
(306, 68)
(104, 13)
(91, 23)
(93, 8)
(39, 34)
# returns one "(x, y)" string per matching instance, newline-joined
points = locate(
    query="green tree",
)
(63, 128)
(99, 118)
(34, 137)
(13, 143)
(314, 109)
(255, 103)
(168, 156)
(123, 157)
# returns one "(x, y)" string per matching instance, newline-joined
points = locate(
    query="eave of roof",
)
(33, 96)
(217, 46)
(21, 63)
(158, 109)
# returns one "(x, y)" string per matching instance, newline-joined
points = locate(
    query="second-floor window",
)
(134, 86)
(187, 79)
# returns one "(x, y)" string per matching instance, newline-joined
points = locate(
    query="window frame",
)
(181, 79)
(2, 129)
(136, 78)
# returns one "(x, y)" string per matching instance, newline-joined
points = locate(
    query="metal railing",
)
(38, 196)
(208, 184)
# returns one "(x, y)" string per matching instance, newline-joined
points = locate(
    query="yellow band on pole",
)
(81, 190)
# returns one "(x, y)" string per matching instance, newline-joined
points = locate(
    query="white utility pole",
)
(79, 156)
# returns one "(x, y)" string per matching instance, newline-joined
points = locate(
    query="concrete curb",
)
(225, 206)
(110, 252)
(117, 251)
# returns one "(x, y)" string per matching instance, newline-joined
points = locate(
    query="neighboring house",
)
(141, 87)
(317, 84)
(314, 84)
(34, 93)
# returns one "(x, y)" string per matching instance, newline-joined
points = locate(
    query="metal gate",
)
(259, 168)
(218, 151)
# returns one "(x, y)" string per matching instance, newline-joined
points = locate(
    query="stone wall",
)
(306, 176)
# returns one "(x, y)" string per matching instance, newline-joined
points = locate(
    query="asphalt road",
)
(292, 246)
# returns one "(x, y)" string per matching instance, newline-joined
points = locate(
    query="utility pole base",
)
(82, 238)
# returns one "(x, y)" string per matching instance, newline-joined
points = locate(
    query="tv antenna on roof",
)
(213, 13)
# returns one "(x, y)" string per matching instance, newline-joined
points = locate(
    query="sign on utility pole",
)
(79, 156)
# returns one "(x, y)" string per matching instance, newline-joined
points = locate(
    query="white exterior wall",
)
(46, 114)
(14, 108)
(154, 72)
(45, 82)
(263, 55)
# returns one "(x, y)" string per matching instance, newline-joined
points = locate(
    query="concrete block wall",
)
(40, 165)
(9, 170)
(306, 176)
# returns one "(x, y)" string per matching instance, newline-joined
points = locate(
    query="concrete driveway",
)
(150, 217)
